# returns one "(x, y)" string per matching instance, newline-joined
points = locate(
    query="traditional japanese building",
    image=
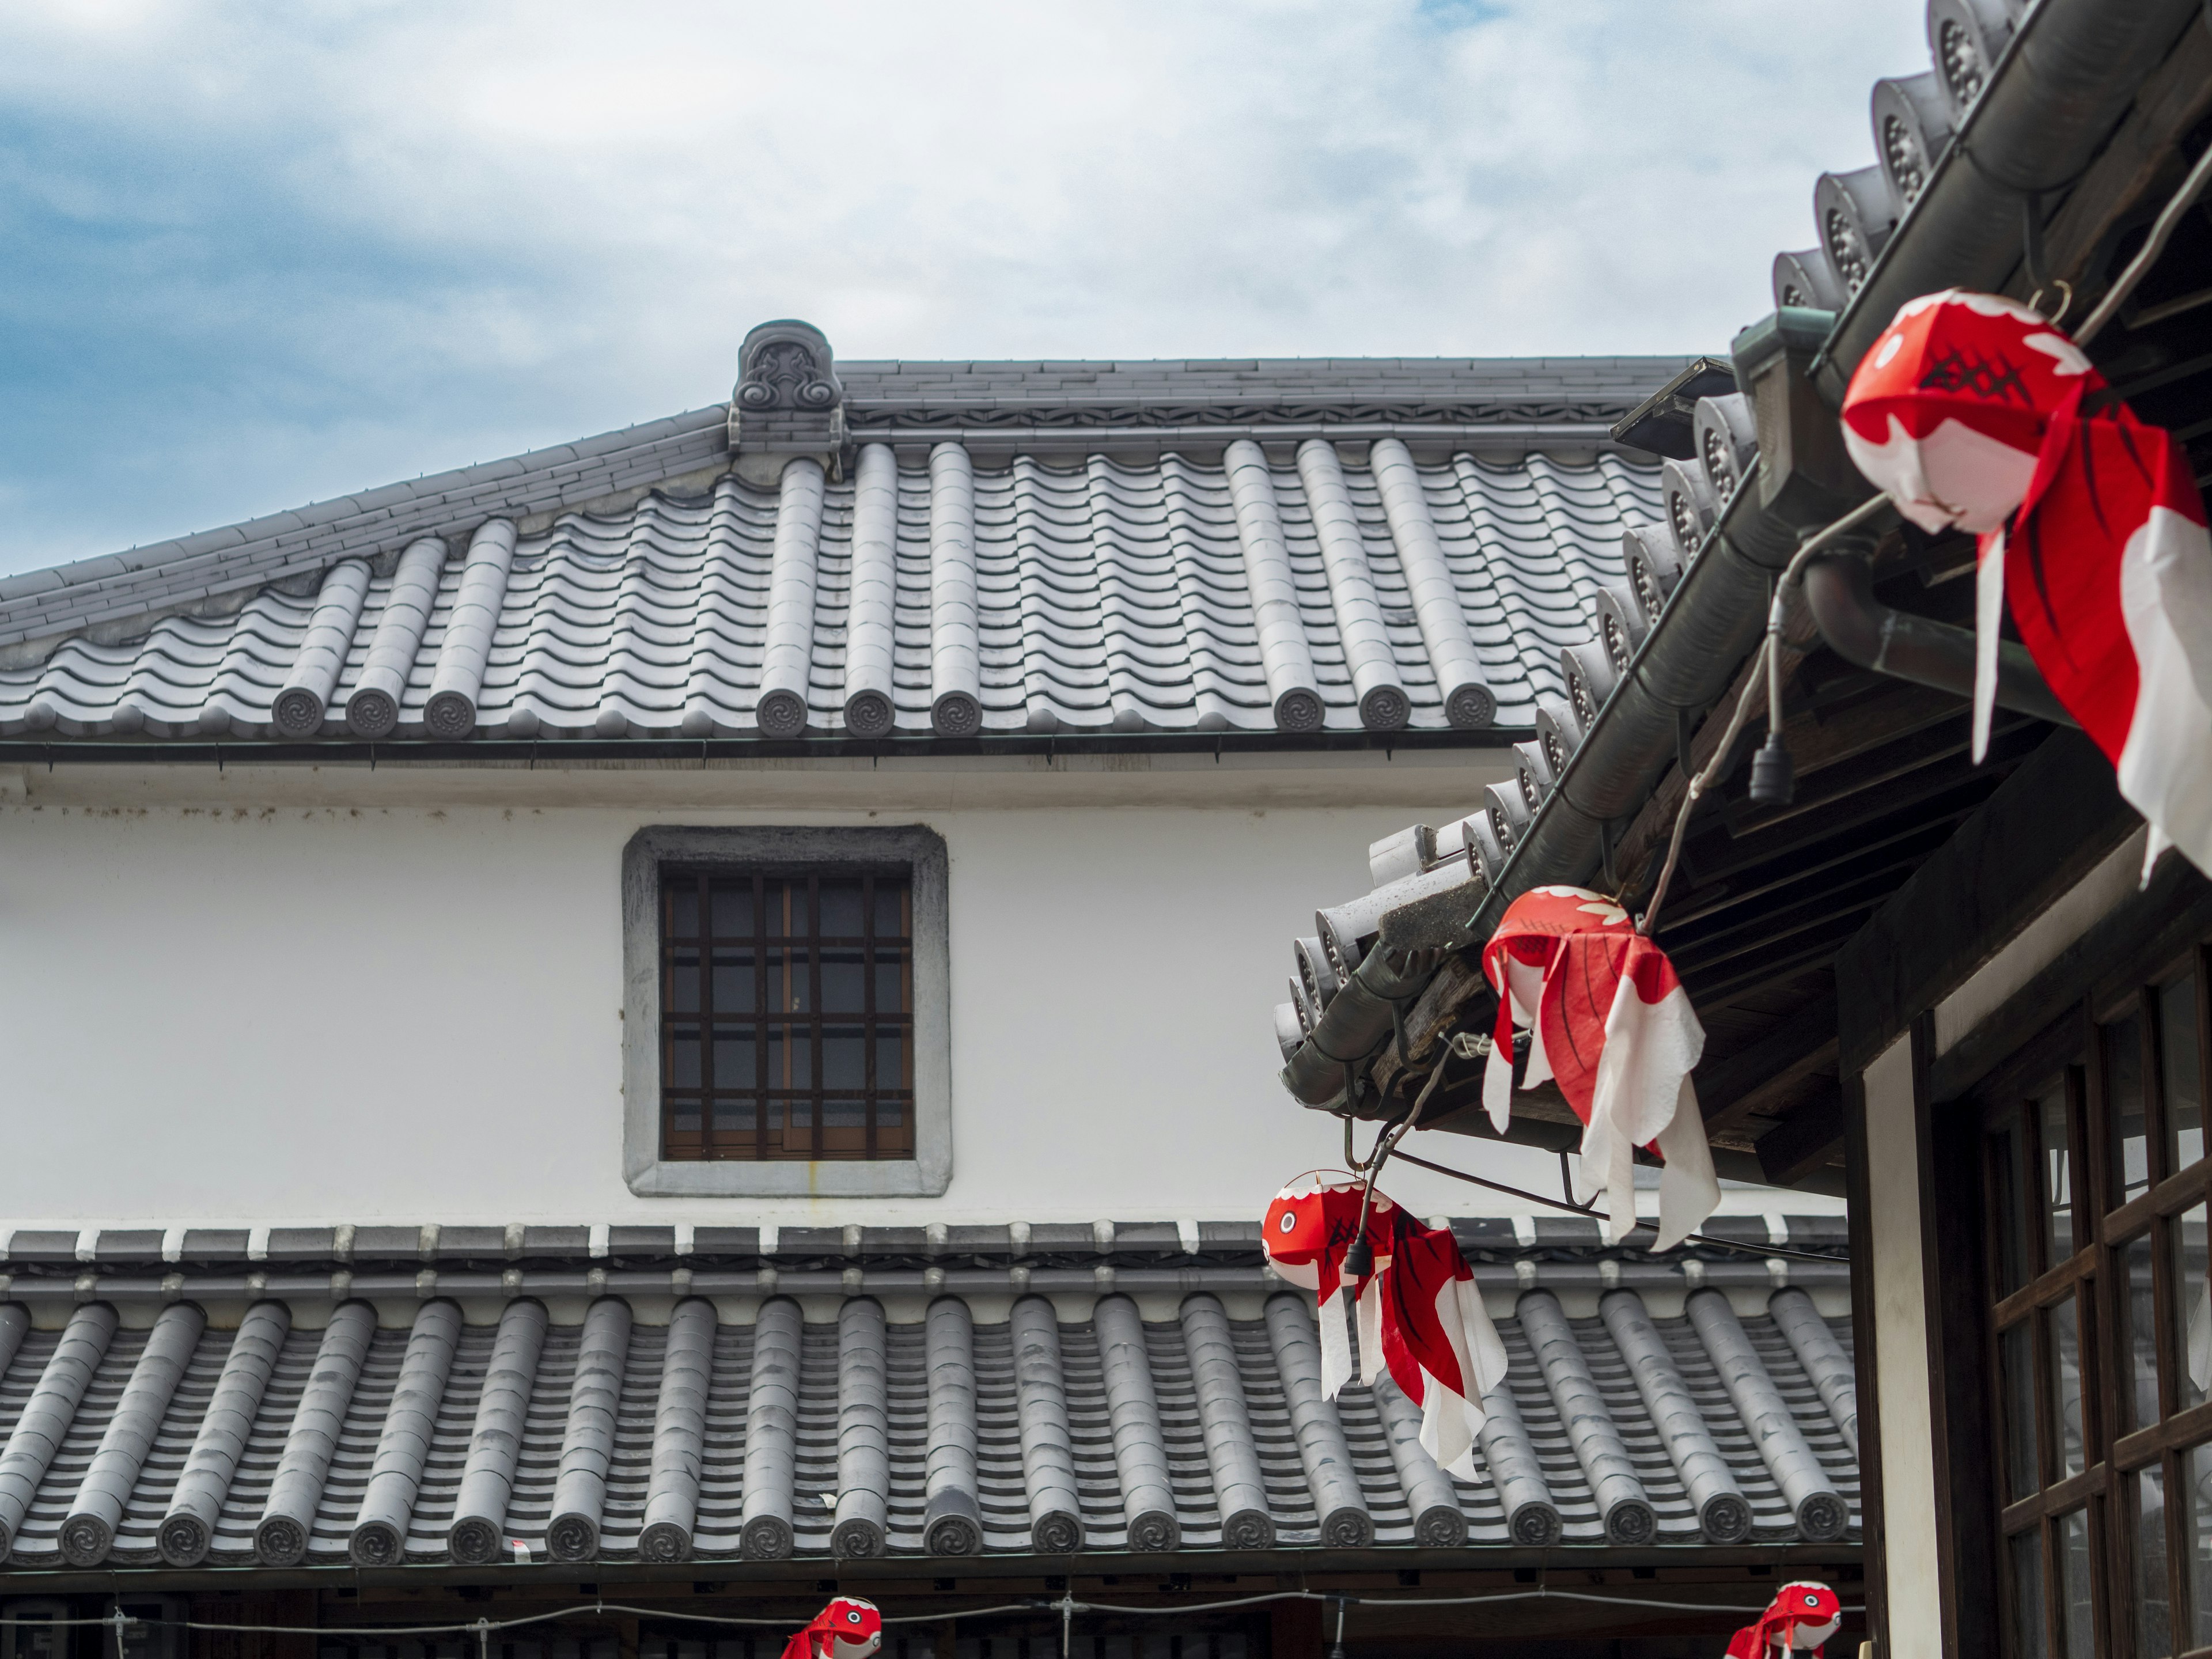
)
(618, 1038)
(1951, 986)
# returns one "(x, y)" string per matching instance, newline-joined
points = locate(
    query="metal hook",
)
(2065, 301)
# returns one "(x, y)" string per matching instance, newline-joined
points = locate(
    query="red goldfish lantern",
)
(1420, 1314)
(1610, 1022)
(1802, 1615)
(1973, 412)
(849, 1628)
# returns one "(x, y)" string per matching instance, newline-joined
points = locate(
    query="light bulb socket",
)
(1773, 774)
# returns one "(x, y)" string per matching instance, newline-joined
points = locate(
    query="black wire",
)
(1599, 1215)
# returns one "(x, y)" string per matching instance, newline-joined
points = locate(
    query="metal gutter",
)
(1861, 628)
(2064, 81)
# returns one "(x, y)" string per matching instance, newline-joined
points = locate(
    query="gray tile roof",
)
(1059, 546)
(429, 1397)
(1105, 596)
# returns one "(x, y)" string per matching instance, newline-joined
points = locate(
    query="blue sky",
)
(252, 256)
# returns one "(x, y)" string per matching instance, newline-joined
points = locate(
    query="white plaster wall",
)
(309, 998)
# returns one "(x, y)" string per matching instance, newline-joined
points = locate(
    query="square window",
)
(786, 1014)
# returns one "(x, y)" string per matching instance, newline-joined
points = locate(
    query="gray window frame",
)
(647, 1174)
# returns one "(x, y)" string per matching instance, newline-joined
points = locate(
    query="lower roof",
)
(843, 1405)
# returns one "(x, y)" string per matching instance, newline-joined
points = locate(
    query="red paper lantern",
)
(1947, 410)
(1973, 412)
(849, 1628)
(1611, 1023)
(1803, 1614)
(1420, 1314)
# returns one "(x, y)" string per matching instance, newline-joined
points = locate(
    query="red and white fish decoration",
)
(1420, 1314)
(1610, 1023)
(1802, 1615)
(849, 1628)
(1973, 412)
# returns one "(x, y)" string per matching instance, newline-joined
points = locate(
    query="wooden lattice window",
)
(2101, 1300)
(786, 1013)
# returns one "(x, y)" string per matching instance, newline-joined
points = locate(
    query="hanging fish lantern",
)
(1609, 1022)
(1804, 1614)
(1420, 1314)
(849, 1628)
(1973, 412)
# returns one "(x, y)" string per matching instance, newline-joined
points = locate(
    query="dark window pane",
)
(840, 909)
(735, 989)
(2057, 1175)
(683, 1116)
(682, 1058)
(2181, 1070)
(891, 1115)
(2026, 1549)
(890, 1058)
(683, 982)
(890, 909)
(2077, 1612)
(2123, 1097)
(733, 1057)
(2197, 1574)
(790, 1057)
(2064, 1335)
(736, 1116)
(2016, 1358)
(2192, 1312)
(2009, 1174)
(799, 1114)
(2146, 1507)
(734, 910)
(844, 1114)
(894, 992)
(2138, 1333)
(844, 982)
(683, 910)
(844, 1057)
(788, 989)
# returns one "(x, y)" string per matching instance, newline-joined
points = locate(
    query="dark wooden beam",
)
(1807, 1139)
(1736, 1087)
(1944, 740)
(1839, 862)
(1776, 964)
(2044, 829)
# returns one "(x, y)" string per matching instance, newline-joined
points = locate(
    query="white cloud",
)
(374, 239)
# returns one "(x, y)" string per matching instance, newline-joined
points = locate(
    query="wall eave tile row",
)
(737, 1428)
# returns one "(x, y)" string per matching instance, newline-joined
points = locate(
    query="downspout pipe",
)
(1860, 628)
(2067, 76)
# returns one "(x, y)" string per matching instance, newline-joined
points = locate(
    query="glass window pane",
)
(790, 1057)
(684, 909)
(735, 1116)
(2077, 1614)
(844, 1057)
(893, 986)
(2124, 1099)
(735, 983)
(2138, 1336)
(788, 978)
(2197, 1573)
(734, 910)
(2181, 1070)
(683, 981)
(840, 909)
(844, 1114)
(2009, 1177)
(890, 1058)
(2064, 1335)
(2154, 1613)
(844, 982)
(2192, 1312)
(2026, 1549)
(2016, 1360)
(890, 909)
(2057, 1175)
(733, 1057)
(682, 1058)
(683, 1116)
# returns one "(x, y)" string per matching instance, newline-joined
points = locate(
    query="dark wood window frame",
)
(925, 1168)
(786, 1013)
(2077, 1053)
